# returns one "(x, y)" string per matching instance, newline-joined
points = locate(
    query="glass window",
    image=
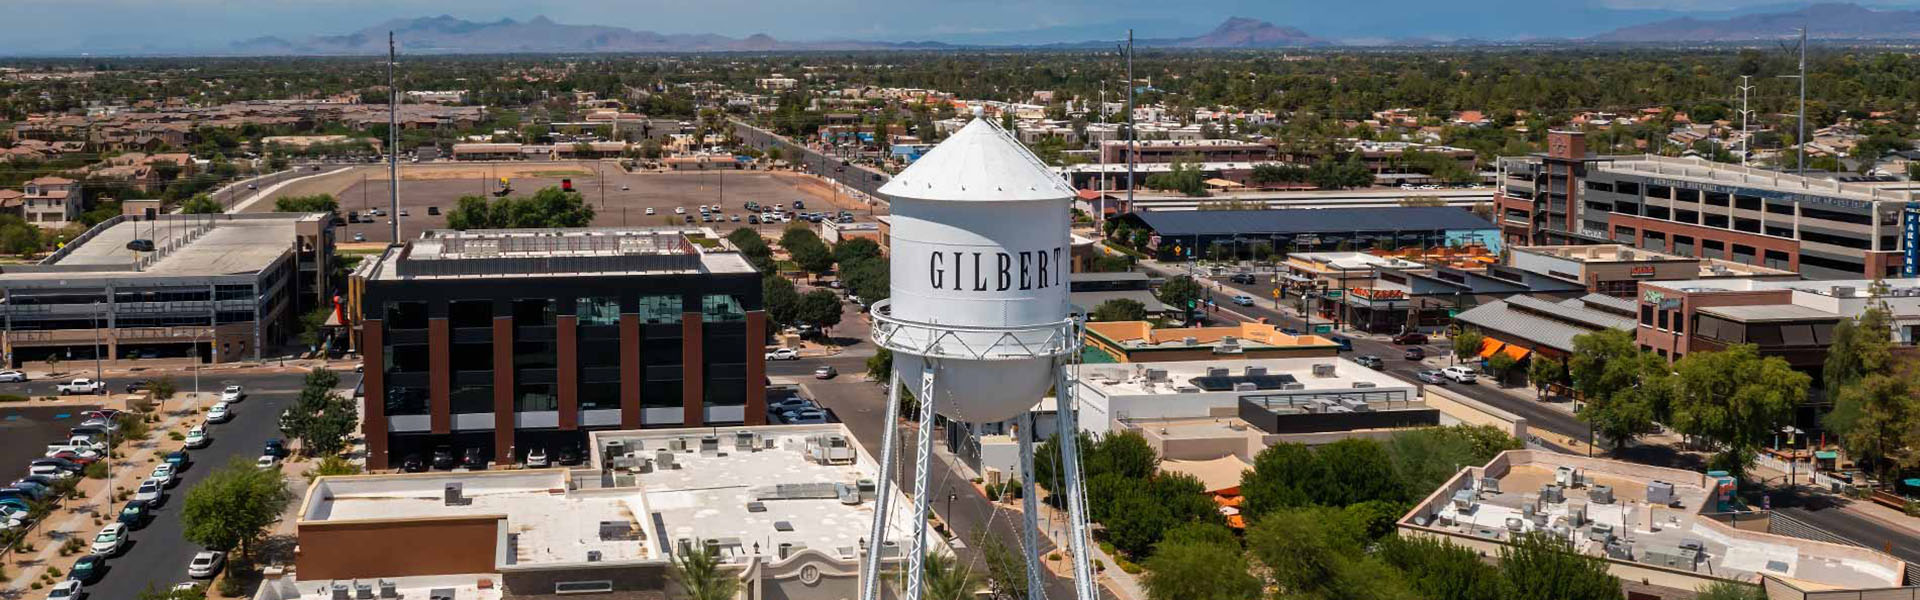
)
(406, 401)
(407, 358)
(599, 396)
(532, 312)
(598, 311)
(715, 308)
(1662, 322)
(469, 399)
(662, 394)
(660, 309)
(472, 357)
(533, 397)
(1746, 202)
(534, 354)
(470, 313)
(406, 315)
(1717, 198)
(599, 353)
(1646, 314)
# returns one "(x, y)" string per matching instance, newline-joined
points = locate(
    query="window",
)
(598, 311)
(1713, 248)
(1746, 202)
(660, 309)
(1599, 186)
(1687, 195)
(1714, 220)
(1776, 259)
(1679, 322)
(1747, 225)
(406, 401)
(1686, 216)
(1627, 187)
(1780, 209)
(721, 308)
(600, 396)
(1846, 241)
(1659, 191)
(600, 353)
(406, 315)
(1646, 314)
(1717, 199)
(1683, 245)
(563, 588)
(1785, 232)
(1662, 320)
(470, 313)
(1829, 215)
(1657, 212)
(470, 399)
(534, 354)
(535, 397)
(1820, 262)
(1623, 234)
(1626, 208)
(472, 357)
(533, 312)
(407, 358)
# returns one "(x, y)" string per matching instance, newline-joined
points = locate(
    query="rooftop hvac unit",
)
(453, 496)
(1618, 549)
(1255, 371)
(1246, 386)
(1660, 493)
(743, 441)
(1600, 532)
(1693, 544)
(1339, 409)
(363, 591)
(1293, 386)
(1463, 501)
(1576, 512)
(664, 460)
(1516, 525)
(616, 448)
(1217, 371)
(847, 493)
(1843, 291)
(1156, 374)
(868, 491)
(1365, 384)
(1190, 341)
(1323, 370)
(677, 444)
(1552, 494)
(593, 556)
(1600, 494)
(709, 444)
(388, 589)
(340, 590)
(440, 594)
(1356, 405)
(1187, 389)
(1567, 477)
(1490, 485)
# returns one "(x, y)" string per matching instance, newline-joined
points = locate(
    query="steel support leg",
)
(883, 494)
(923, 455)
(1036, 584)
(1069, 426)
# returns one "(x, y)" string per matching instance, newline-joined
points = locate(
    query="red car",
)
(75, 457)
(1410, 339)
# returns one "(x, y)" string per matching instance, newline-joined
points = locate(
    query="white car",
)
(206, 564)
(151, 492)
(65, 590)
(537, 458)
(679, 210)
(784, 354)
(650, 211)
(1458, 374)
(109, 540)
(233, 393)
(163, 474)
(12, 376)
(220, 413)
(267, 461)
(197, 437)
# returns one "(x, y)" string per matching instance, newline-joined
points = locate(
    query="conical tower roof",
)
(980, 163)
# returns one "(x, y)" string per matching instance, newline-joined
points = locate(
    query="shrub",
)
(36, 585)
(97, 470)
(1127, 566)
(176, 436)
(230, 586)
(54, 572)
(1912, 508)
(12, 398)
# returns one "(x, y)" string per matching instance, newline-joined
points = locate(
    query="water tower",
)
(979, 321)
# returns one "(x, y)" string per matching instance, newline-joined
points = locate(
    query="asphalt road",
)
(853, 176)
(158, 554)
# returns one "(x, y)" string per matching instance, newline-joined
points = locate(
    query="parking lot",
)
(619, 198)
(26, 430)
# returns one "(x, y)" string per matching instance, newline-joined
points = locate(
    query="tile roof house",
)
(50, 202)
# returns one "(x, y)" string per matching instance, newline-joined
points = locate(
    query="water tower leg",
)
(1069, 426)
(923, 437)
(1031, 510)
(883, 494)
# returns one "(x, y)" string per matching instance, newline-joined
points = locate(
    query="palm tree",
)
(700, 574)
(947, 580)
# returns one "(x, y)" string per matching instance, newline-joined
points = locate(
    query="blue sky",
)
(69, 25)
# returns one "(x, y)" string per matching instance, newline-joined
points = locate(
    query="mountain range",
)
(448, 35)
(1833, 21)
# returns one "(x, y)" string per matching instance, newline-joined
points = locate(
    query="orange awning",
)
(1490, 346)
(1517, 352)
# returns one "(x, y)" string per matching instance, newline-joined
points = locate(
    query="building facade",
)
(1821, 228)
(510, 340)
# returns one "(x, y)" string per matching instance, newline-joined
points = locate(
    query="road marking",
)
(244, 204)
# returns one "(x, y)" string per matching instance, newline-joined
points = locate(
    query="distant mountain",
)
(448, 35)
(1823, 21)
(1242, 32)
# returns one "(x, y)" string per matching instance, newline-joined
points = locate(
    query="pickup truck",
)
(82, 386)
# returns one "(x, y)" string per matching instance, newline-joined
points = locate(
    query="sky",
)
(63, 26)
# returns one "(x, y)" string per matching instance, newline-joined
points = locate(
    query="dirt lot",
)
(622, 200)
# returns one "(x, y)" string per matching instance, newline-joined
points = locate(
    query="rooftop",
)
(1769, 312)
(1140, 335)
(570, 251)
(1552, 324)
(1604, 253)
(1320, 220)
(1635, 514)
(1703, 172)
(554, 527)
(1178, 377)
(187, 245)
(1347, 261)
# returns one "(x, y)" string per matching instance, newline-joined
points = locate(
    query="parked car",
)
(87, 569)
(178, 459)
(1416, 353)
(1370, 361)
(804, 416)
(783, 354)
(537, 459)
(443, 458)
(49, 471)
(267, 461)
(109, 541)
(163, 474)
(571, 455)
(1410, 339)
(12, 377)
(60, 463)
(206, 564)
(359, 237)
(85, 457)
(137, 387)
(1459, 374)
(198, 438)
(67, 590)
(825, 372)
(233, 393)
(151, 491)
(275, 448)
(1242, 278)
(81, 386)
(475, 459)
(220, 413)
(1243, 300)
(789, 403)
(1433, 376)
(413, 464)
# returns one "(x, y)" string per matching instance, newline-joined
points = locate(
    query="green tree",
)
(1877, 419)
(1191, 570)
(855, 250)
(815, 258)
(1439, 570)
(1544, 373)
(162, 388)
(781, 300)
(548, 207)
(1727, 590)
(1302, 549)
(1120, 309)
(201, 204)
(196, 592)
(19, 238)
(332, 466)
(945, 579)
(1283, 476)
(1623, 386)
(819, 308)
(234, 505)
(702, 575)
(1427, 457)
(1006, 569)
(1542, 566)
(1735, 399)
(306, 204)
(1862, 346)
(880, 365)
(1501, 365)
(1356, 470)
(1181, 293)
(1125, 453)
(1466, 344)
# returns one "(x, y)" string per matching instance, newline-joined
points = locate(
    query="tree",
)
(1120, 309)
(1006, 570)
(1466, 344)
(702, 574)
(1126, 454)
(332, 466)
(1727, 590)
(306, 204)
(196, 592)
(1283, 475)
(1538, 565)
(1182, 292)
(1735, 399)
(1192, 570)
(1427, 457)
(1439, 570)
(1621, 384)
(1501, 365)
(201, 204)
(234, 505)
(1544, 373)
(1878, 421)
(819, 308)
(880, 365)
(549, 207)
(946, 580)
(855, 250)
(19, 238)
(1300, 549)
(1861, 346)
(1356, 470)
(815, 258)
(781, 299)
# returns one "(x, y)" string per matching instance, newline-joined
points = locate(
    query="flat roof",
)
(1701, 171)
(553, 528)
(201, 245)
(580, 251)
(1852, 288)
(1317, 220)
(1141, 335)
(1769, 312)
(1651, 531)
(1134, 379)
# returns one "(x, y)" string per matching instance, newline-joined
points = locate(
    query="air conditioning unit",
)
(1255, 371)
(1323, 370)
(1365, 384)
(1217, 371)
(1246, 386)
(1600, 494)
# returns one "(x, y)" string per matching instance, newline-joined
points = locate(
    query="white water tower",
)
(979, 319)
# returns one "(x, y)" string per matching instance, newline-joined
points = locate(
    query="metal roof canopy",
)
(1296, 221)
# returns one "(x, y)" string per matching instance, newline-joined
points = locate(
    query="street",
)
(853, 176)
(158, 554)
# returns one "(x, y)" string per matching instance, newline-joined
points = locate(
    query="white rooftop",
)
(1130, 379)
(555, 527)
(981, 162)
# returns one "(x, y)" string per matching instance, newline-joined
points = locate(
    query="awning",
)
(1826, 454)
(1517, 352)
(1490, 346)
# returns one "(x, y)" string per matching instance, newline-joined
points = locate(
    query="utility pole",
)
(1801, 138)
(393, 146)
(1131, 147)
(1746, 139)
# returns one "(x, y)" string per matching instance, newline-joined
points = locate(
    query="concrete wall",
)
(370, 549)
(1473, 412)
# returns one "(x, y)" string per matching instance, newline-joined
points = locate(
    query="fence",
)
(1780, 523)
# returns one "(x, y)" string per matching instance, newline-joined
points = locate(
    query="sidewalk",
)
(1121, 584)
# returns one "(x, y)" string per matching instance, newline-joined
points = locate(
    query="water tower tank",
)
(980, 267)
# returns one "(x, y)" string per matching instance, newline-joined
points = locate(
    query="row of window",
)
(591, 311)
